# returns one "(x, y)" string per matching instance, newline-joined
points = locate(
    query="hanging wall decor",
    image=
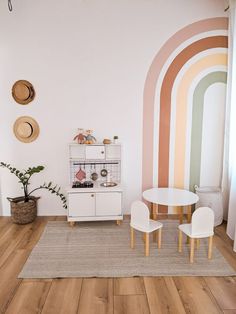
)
(26, 129)
(23, 92)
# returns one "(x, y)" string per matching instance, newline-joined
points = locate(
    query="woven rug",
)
(102, 249)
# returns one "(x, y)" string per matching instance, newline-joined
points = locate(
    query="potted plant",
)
(24, 208)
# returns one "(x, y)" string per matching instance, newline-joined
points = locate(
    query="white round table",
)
(171, 197)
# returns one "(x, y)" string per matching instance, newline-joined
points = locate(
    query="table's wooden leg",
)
(189, 217)
(180, 211)
(159, 238)
(189, 213)
(154, 217)
(154, 211)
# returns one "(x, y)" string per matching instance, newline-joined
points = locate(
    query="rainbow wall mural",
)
(184, 104)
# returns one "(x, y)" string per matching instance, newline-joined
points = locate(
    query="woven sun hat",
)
(23, 92)
(26, 129)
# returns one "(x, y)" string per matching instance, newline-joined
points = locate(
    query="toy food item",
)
(106, 141)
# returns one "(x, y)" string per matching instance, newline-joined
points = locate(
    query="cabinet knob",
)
(102, 152)
(92, 195)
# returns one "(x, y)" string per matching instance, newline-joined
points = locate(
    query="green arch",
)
(197, 119)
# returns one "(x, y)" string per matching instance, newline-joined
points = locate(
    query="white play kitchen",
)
(95, 191)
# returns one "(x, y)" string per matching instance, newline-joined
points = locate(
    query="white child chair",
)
(140, 221)
(202, 226)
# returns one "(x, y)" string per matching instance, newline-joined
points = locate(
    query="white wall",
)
(88, 62)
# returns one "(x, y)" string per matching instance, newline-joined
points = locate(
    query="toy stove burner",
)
(85, 184)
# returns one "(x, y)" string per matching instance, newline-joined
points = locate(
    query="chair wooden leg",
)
(118, 222)
(147, 244)
(198, 243)
(72, 223)
(210, 247)
(132, 237)
(191, 249)
(180, 240)
(159, 238)
(154, 235)
(144, 237)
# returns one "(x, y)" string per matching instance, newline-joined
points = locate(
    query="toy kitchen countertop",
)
(97, 187)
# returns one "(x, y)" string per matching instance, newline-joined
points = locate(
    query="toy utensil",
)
(80, 175)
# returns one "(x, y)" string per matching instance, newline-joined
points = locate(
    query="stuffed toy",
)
(80, 137)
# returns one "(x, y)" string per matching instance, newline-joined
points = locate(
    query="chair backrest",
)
(202, 221)
(139, 214)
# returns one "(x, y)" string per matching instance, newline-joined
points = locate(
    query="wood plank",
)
(226, 251)
(162, 295)
(14, 242)
(129, 286)
(196, 296)
(29, 297)
(11, 235)
(96, 296)
(4, 224)
(225, 245)
(63, 296)
(131, 304)
(224, 291)
(229, 311)
(8, 275)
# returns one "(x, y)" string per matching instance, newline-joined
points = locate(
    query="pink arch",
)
(150, 87)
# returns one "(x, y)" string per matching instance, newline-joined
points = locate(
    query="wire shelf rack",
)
(114, 167)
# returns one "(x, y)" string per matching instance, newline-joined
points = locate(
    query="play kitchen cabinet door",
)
(95, 152)
(81, 204)
(77, 151)
(108, 204)
(113, 152)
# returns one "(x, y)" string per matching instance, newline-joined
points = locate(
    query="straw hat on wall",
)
(26, 129)
(23, 92)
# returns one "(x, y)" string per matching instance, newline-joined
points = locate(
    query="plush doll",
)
(80, 137)
(89, 138)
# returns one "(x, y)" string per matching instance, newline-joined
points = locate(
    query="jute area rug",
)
(102, 249)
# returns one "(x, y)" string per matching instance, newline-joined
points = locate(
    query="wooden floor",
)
(104, 295)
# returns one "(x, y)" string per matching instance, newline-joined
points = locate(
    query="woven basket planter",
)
(23, 212)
